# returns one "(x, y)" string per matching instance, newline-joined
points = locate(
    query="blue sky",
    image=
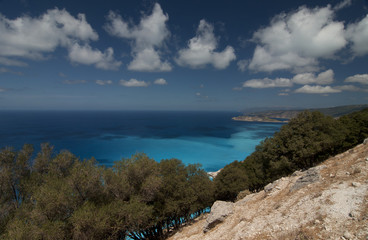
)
(182, 55)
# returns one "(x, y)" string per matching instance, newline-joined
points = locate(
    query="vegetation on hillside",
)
(305, 141)
(282, 115)
(58, 196)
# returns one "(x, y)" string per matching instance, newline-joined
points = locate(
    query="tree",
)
(230, 181)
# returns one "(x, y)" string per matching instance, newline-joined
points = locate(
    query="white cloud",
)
(357, 33)
(32, 38)
(351, 88)
(72, 82)
(133, 83)
(358, 78)
(295, 41)
(268, 83)
(148, 60)
(147, 36)
(317, 89)
(343, 4)
(103, 82)
(88, 56)
(323, 78)
(201, 50)
(242, 65)
(11, 62)
(160, 81)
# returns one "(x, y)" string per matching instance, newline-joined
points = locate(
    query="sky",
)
(182, 55)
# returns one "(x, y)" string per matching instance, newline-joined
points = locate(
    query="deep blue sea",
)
(212, 139)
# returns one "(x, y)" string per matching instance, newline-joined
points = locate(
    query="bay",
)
(212, 139)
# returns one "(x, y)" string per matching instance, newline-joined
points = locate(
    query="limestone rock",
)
(347, 235)
(214, 174)
(310, 176)
(219, 211)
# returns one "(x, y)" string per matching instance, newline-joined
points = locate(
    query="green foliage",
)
(305, 141)
(356, 125)
(57, 196)
(230, 181)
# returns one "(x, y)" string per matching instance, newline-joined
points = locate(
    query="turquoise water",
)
(209, 138)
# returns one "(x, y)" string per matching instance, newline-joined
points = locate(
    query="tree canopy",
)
(305, 141)
(57, 196)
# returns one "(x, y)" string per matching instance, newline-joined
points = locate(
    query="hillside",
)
(329, 201)
(276, 115)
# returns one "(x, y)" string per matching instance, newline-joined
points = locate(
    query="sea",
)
(211, 139)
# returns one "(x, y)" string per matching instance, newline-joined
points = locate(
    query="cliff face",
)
(329, 201)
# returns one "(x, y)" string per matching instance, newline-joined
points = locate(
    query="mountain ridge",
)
(285, 115)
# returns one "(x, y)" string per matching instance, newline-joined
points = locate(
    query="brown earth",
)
(333, 206)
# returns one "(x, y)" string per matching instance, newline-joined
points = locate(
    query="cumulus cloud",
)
(295, 41)
(358, 78)
(317, 89)
(148, 36)
(160, 81)
(133, 83)
(268, 83)
(323, 78)
(88, 56)
(357, 33)
(149, 60)
(103, 82)
(201, 50)
(32, 38)
(351, 88)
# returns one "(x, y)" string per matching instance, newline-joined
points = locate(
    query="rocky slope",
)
(329, 201)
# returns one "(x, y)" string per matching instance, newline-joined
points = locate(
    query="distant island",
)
(284, 116)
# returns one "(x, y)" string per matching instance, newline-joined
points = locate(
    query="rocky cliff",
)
(329, 201)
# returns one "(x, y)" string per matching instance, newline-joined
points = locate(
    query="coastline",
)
(258, 119)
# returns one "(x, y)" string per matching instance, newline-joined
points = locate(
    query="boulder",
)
(219, 211)
(309, 176)
(365, 142)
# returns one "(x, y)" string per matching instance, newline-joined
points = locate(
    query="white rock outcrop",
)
(219, 211)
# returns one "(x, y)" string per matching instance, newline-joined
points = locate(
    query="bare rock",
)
(365, 142)
(297, 173)
(214, 174)
(356, 184)
(219, 211)
(269, 187)
(347, 235)
(310, 176)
